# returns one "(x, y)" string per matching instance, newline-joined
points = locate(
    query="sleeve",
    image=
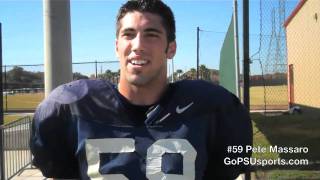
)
(232, 128)
(52, 142)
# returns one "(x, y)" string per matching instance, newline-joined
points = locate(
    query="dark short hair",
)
(151, 6)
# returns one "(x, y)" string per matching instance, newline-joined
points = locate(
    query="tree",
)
(204, 73)
(15, 74)
(179, 73)
(17, 78)
(110, 76)
(193, 73)
(77, 76)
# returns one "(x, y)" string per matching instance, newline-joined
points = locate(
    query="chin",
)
(138, 80)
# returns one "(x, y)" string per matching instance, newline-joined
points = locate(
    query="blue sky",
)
(93, 31)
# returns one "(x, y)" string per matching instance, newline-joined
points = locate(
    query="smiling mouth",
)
(138, 62)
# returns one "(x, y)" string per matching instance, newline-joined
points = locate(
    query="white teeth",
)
(138, 62)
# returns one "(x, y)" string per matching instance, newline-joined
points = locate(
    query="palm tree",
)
(179, 73)
(202, 70)
(193, 73)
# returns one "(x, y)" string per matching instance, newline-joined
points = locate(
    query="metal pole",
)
(172, 71)
(96, 69)
(57, 47)
(198, 29)
(246, 58)
(2, 169)
(30, 133)
(5, 87)
(246, 64)
(236, 46)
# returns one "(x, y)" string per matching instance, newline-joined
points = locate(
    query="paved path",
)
(35, 174)
(29, 174)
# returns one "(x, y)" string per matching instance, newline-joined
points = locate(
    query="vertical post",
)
(5, 87)
(96, 63)
(198, 30)
(172, 71)
(169, 70)
(236, 46)
(2, 169)
(30, 133)
(57, 47)
(246, 58)
(246, 64)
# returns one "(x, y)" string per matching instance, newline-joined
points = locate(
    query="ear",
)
(172, 47)
(116, 48)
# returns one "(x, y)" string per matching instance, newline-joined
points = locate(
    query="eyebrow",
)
(128, 30)
(146, 30)
(153, 30)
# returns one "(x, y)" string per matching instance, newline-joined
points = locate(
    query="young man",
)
(145, 128)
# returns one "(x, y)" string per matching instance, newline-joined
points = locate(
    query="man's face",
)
(141, 47)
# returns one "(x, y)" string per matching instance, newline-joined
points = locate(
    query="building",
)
(303, 49)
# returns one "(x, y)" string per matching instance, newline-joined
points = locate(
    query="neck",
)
(144, 94)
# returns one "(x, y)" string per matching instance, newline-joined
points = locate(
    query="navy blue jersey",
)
(84, 130)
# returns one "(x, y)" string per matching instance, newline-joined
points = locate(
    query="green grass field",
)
(23, 101)
(10, 118)
(276, 97)
(300, 130)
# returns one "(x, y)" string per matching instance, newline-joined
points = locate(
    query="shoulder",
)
(195, 85)
(206, 92)
(76, 90)
(72, 92)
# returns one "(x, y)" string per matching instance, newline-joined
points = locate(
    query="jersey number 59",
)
(153, 160)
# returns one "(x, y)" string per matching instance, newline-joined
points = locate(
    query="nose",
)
(137, 43)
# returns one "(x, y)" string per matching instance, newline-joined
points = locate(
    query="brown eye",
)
(152, 35)
(128, 35)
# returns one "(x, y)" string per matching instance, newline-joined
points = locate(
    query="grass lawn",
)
(23, 100)
(276, 97)
(300, 130)
(10, 118)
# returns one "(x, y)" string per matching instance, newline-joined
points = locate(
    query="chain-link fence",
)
(268, 75)
(208, 69)
(24, 84)
(23, 87)
(303, 37)
(268, 85)
(288, 62)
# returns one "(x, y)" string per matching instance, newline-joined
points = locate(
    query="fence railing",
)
(23, 84)
(16, 151)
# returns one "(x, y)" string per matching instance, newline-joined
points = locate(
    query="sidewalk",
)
(35, 174)
(29, 174)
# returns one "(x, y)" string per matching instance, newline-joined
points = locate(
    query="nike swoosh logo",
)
(181, 110)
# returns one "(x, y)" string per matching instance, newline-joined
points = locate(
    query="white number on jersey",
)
(154, 157)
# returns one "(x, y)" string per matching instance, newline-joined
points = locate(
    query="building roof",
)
(294, 12)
